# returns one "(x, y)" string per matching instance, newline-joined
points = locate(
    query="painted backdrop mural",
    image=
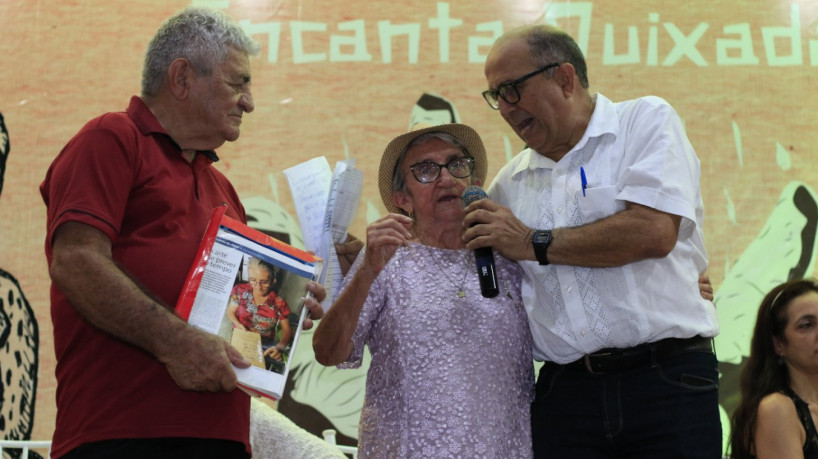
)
(340, 79)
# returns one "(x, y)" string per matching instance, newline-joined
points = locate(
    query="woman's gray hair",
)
(398, 179)
(272, 271)
(201, 35)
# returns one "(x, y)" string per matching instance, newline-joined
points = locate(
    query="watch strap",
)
(541, 240)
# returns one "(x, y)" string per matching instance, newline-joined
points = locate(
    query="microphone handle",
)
(486, 273)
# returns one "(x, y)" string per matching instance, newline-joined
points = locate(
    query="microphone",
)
(484, 256)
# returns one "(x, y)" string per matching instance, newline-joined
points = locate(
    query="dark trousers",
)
(667, 409)
(160, 448)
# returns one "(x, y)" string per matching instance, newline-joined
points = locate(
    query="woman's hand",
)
(275, 353)
(383, 237)
(313, 304)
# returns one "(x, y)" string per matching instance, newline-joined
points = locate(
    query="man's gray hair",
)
(549, 44)
(203, 36)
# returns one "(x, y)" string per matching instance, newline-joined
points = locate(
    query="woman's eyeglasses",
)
(429, 171)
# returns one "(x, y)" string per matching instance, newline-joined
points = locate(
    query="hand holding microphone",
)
(484, 256)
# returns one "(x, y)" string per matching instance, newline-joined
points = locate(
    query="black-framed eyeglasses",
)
(429, 171)
(508, 91)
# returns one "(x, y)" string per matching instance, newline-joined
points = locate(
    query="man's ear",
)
(401, 199)
(180, 74)
(477, 182)
(564, 76)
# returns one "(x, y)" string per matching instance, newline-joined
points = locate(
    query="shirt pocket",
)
(599, 203)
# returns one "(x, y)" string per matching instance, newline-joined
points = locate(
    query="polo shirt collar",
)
(147, 124)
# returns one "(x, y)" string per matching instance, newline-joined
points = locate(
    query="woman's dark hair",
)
(763, 374)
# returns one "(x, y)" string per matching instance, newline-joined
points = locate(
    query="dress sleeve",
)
(374, 304)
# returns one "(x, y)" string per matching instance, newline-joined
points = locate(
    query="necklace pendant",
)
(461, 294)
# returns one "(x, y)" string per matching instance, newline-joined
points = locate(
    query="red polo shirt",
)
(124, 175)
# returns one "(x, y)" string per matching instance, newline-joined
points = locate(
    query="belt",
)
(615, 360)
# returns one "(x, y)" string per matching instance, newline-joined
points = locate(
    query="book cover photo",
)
(250, 288)
(263, 311)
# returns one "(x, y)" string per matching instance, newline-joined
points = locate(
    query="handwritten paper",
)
(309, 184)
(326, 203)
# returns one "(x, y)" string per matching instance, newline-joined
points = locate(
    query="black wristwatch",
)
(541, 240)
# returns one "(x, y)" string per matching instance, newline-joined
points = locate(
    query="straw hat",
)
(461, 132)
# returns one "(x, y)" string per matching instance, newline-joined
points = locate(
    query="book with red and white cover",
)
(218, 297)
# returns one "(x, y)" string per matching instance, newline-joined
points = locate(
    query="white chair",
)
(329, 437)
(273, 435)
(25, 446)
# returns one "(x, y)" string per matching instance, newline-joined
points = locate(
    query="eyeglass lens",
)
(508, 91)
(428, 171)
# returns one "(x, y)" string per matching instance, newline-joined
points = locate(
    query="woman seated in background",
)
(779, 383)
(451, 372)
(255, 306)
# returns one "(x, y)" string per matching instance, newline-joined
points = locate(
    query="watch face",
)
(542, 237)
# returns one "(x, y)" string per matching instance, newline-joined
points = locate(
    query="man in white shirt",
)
(603, 211)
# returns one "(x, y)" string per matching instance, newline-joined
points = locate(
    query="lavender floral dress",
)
(449, 376)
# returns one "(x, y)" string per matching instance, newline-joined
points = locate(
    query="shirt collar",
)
(604, 120)
(147, 124)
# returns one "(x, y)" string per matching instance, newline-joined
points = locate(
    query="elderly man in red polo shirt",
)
(128, 200)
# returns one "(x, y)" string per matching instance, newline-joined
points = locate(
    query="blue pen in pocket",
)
(584, 180)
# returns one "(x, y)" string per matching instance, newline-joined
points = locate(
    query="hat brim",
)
(465, 134)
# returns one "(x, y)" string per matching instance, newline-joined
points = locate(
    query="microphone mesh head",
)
(473, 193)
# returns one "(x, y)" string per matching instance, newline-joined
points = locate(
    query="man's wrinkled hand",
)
(201, 361)
(489, 224)
(347, 252)
(705, 287)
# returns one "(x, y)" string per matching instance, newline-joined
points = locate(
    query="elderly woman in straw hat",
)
(451, 371)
